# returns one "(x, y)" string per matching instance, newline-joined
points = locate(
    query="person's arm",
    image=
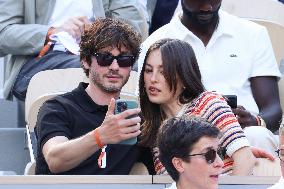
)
(16, 37)
(20, 38)
(130, 11)
(62, 154)
(244, 161)
(260, 153)
(233, 138)
(266, 95)
(263, 80)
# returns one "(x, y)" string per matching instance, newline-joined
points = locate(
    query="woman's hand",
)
(260, 153)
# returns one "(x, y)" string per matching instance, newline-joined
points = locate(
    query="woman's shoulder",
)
(208, 97)
(208, 102)
(210, 94)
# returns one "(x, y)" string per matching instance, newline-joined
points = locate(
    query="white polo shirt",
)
(64, 10)
(238, 50)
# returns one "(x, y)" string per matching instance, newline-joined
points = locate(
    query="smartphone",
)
(231, 100)
(120, 106)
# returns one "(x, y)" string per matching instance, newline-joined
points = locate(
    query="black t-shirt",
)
(72, 115)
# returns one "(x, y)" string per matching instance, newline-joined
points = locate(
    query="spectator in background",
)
(78, 132)
(188, 149)
(158, 12)
(280, 151)
(26, 26)
(235, 57)
(163, 13)
(170, 85)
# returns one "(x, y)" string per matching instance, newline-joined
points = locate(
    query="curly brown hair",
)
(108, 32)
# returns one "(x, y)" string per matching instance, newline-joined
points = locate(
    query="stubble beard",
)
(97, 80)
(196, 22)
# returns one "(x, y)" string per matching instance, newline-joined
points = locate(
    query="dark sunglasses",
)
(211, 154)
(106, 59)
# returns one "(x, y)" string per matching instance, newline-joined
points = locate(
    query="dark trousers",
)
(163, 13)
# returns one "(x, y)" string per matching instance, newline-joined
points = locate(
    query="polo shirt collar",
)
(85, 101)
(225, 24)
(179, 29)
(222, 29)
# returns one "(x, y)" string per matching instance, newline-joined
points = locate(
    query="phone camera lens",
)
(121, 106)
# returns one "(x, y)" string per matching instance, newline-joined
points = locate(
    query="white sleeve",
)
(264, 61)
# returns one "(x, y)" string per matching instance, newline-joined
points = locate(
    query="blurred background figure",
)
(26, 28)
(159, 12)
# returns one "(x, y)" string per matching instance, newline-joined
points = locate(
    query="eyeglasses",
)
(106, 59)
(280, 153)
(211, 154)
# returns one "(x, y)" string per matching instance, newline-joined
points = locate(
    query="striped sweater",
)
(213, 108)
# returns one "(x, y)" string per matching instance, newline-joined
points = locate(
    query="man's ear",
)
(178, 164)
(85, 64)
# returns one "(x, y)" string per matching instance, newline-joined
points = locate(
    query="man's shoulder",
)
(75, 94)
(61, 100)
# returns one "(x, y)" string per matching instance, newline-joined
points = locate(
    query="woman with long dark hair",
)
(170, 85)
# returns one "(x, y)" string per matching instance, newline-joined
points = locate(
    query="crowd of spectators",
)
(187, 62)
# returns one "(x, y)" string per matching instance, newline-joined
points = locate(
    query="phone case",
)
(122, 105)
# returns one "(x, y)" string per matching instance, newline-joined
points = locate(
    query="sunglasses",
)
(211, 154)
(106, 59)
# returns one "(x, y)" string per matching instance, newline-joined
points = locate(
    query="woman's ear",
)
(178, 164)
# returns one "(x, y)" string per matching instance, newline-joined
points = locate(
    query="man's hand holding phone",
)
(245, 118)
(118, 128)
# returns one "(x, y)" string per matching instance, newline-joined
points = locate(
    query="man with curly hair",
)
(77, 131)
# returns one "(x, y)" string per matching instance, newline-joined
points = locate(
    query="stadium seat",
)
(271, 10)
(14, 152)
(276, 34)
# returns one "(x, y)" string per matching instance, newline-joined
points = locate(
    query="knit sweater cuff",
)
(236, 145)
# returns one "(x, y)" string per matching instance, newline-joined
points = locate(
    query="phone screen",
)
(231, 100)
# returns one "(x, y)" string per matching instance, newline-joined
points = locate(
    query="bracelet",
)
(49, 33)
(47, 43)
(260, 121)
(97, 137)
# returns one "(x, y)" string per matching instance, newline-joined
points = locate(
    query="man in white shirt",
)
(235, 57)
